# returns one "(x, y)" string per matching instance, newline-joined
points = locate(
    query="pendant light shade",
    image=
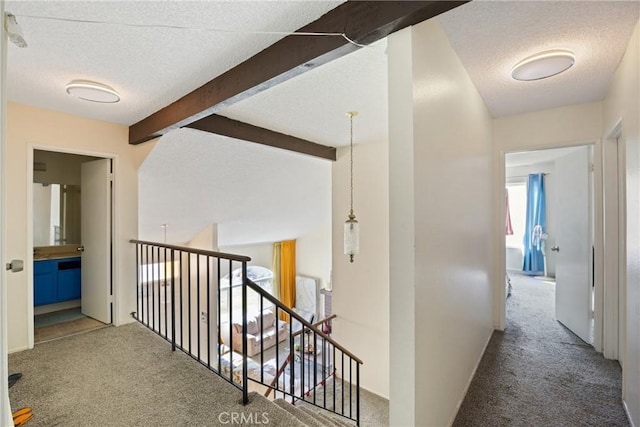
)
(351, 226)
(351, 237)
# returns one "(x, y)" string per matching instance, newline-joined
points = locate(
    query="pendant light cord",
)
(351, 162)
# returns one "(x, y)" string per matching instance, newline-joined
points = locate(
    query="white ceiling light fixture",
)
(543, 64)
(92, 91)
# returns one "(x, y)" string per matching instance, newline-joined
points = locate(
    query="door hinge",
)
(592, 167)
(110, 300)
(111, 177)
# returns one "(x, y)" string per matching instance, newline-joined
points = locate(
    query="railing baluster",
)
(208, 312)
(325, 371)
(153, 289)
(219, 324)
(189, 298)
(138, 287)
(278, 351)
(262, 337)
(357, 393)
(156, 263)
(292, 363)
(315, 365)
(342, 378)
(173, 304)
(303, 350)
(198, 301)
(164, 285)
(350, 388)
(334, 378)
(245, 381)
(230, 305)
(180, 255)
(159, 295)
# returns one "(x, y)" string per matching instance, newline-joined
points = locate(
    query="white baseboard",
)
(626, 411)
(473, 374)
(18, 349)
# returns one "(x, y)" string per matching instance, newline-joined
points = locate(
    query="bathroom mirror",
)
(56, 214)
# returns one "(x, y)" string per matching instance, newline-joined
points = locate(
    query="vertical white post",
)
(5, 407)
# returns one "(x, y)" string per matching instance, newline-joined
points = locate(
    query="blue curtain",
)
(535, 226)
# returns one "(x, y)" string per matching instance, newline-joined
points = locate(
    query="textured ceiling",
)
(254, 193)
(492, 36)
(150, 66)
(314, 105)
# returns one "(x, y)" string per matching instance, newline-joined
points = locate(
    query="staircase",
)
(185, 296)
(310, 416)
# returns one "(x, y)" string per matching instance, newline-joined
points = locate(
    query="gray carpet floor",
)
(126, 376)
(538, 373)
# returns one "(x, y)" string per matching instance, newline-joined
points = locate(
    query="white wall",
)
(622, 103)
(452, 199)
(261, 254)
(29, 126)
(5, 407)
(361, 288)
(557, 127)
(313, 253)
(402, 230)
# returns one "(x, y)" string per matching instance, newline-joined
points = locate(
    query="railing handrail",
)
(150, 314)
(300, 319)
(318, 323)
(233, 257)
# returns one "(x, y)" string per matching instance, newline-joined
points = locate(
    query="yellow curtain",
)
(288, 275)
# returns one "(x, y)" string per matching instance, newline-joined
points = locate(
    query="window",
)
(517, 209)
(261, 276)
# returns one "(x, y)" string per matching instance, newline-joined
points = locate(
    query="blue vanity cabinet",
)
(45, 282)
(68, 279)
(56, 280)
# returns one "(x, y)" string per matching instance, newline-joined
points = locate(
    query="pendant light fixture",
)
(351, 226)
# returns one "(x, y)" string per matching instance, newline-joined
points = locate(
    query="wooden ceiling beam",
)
(234, 129)
(362, 21)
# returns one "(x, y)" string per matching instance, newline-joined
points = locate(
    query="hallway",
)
(539, 373)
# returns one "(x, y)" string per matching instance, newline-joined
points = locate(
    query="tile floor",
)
(65, 329)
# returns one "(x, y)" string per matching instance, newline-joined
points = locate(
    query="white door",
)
(96, 239)
(573, 243)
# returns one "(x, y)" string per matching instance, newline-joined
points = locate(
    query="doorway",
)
(72, 243)
(550, 230)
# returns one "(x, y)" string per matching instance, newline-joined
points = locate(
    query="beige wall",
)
(29, 127)
(62, 168)
(361, 288)
(622, 103)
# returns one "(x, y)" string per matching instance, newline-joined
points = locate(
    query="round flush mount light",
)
(92, 91)
(543, 65)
